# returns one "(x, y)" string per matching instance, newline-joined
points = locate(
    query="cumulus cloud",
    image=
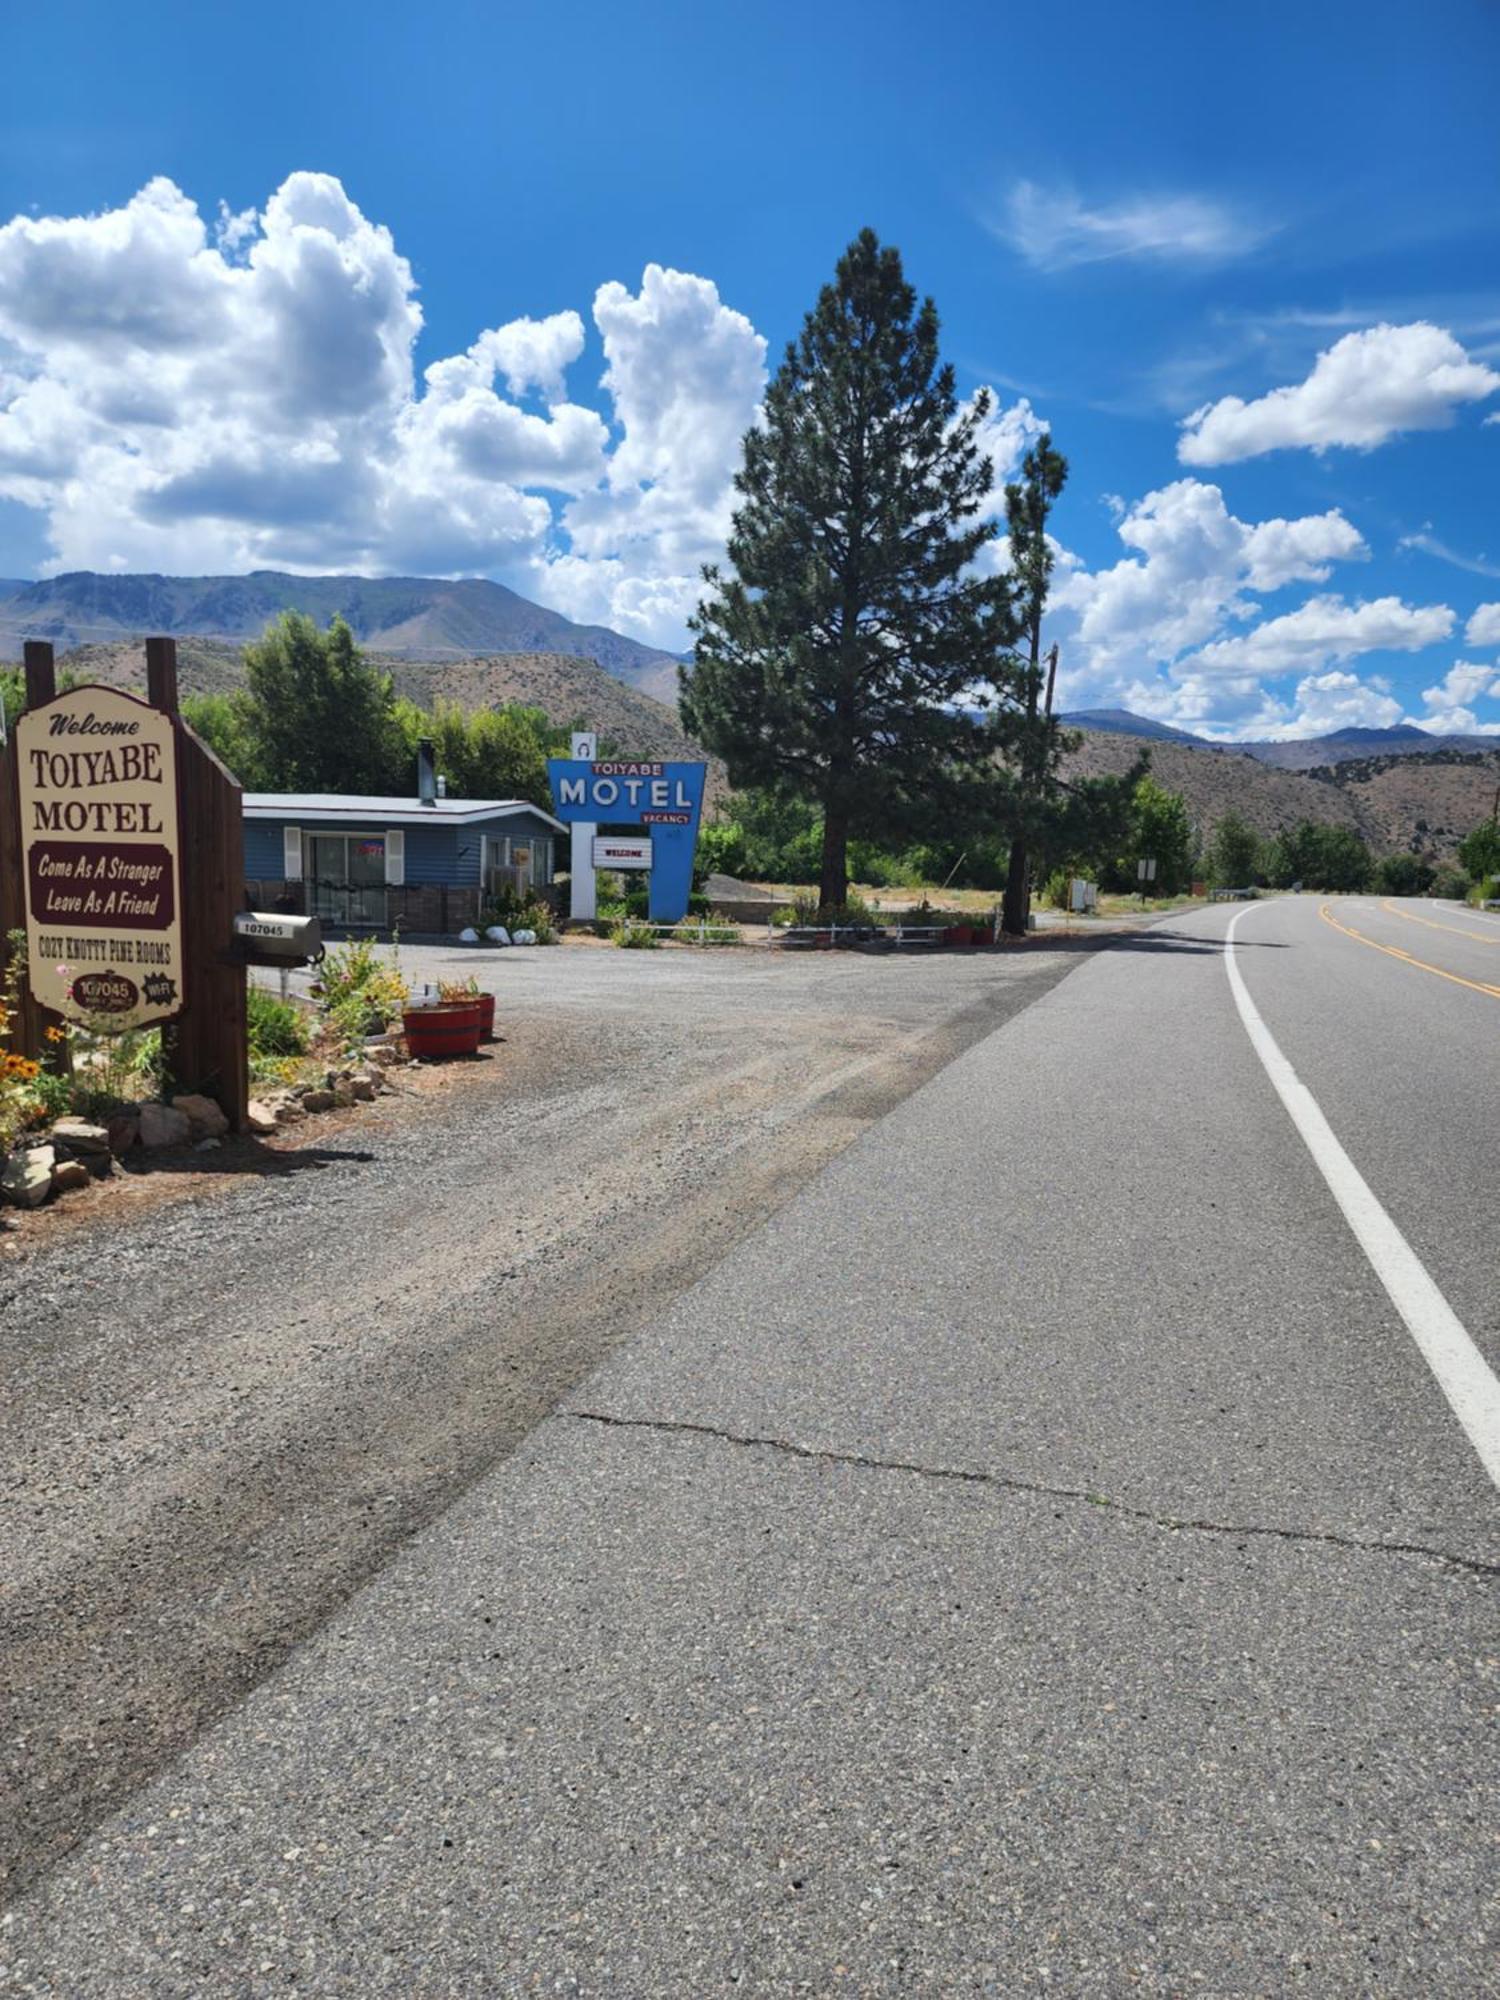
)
(1054, 229)
(1366, 388)
(1483, 628)
(1326, 630)
(1448, 704)
(185, 397)
(1194, 563)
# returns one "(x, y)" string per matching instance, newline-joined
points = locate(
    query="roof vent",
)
(427, 778)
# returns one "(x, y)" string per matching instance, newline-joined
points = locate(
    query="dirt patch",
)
(234, 1390)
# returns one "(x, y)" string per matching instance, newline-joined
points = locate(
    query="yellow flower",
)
(57, 1034)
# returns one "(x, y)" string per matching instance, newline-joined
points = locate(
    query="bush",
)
(1404, 875)
(361, 996)
(632, 936)
(1452, 882)
(276, 1027)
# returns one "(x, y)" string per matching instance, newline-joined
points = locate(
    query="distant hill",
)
(1405, 739)
(1121, 722)
(1420, 800)
(430, 618)
(9, 585)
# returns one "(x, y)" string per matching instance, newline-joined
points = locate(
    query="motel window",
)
(518, 862)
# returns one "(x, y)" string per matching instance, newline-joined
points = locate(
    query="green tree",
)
(1404, 875)
(1341, 860)
(834, 662)
(226, 723)
(321, 718)
(1233, 852)
(1159, 828)
(1479, 851)
(1029, 732)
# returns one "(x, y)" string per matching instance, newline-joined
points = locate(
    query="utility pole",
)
(1015, 917)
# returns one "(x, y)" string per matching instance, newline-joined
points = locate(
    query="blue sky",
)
(493, 289)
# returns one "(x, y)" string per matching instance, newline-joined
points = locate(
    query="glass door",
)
(348, 878)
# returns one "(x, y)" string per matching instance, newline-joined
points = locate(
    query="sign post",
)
(583, 899)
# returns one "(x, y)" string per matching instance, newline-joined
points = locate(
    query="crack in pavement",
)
(957, 1475)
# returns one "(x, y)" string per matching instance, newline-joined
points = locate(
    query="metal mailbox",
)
(262, 937)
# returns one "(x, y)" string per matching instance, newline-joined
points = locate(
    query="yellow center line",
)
(1448, 930)
(1405, 957)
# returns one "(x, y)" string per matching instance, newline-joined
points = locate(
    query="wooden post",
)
(29, 1022)
(161, 674)
(208, 1041)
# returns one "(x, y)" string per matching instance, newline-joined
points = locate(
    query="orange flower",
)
(57, 1034)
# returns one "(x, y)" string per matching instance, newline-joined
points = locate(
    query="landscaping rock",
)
(165, 1125)
(318, 1100)
(208, 1120)
(208, 1145)
(293, 1112)
(69, 1174)
(26, 1179)
(124, 1130)
(77, 1137)
(260, 1117)
(343, 1096)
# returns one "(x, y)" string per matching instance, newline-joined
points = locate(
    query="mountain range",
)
(478, 643)
(408, 617)
(1303, 753)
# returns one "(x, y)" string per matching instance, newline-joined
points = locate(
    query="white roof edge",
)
(289, 805)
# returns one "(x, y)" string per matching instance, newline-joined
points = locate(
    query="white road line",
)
(1463, 910)
(1463, 1375)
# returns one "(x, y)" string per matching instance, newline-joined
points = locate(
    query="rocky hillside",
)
(416, 617)
(568, 689)
(1425, 801)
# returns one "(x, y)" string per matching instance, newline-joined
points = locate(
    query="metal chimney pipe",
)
(426, 771)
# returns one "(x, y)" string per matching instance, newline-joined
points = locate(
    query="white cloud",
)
(1055, 230)
(180, 398)
(1483, 628)
(1366, 388)
(1448, 703)
(1335, 700)
(1326, 630)
(1194, 563)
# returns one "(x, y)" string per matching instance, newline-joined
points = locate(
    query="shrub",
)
(361, 995)
(276, 1027)
(1452, 882)
(633, 936)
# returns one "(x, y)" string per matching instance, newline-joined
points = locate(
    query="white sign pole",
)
(584, 903)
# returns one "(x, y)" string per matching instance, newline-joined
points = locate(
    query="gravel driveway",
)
(223, 1413)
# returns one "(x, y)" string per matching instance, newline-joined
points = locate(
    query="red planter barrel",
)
(486, 1017)
(435, 1033)
(958, 934)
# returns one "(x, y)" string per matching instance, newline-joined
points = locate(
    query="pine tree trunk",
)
(833, 879)
(1015, 911)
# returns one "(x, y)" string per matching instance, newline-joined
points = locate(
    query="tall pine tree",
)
(836, 662)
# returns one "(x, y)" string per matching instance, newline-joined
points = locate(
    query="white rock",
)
(164, 1125)
(523, 937)
(208, 1121)
(260, 1117)
(468, 935)
(26, 1178)
(498, 934)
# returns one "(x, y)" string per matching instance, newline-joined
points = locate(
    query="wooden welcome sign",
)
(127, 921)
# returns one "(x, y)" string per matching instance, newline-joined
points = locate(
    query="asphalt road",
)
(1038, 1558)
